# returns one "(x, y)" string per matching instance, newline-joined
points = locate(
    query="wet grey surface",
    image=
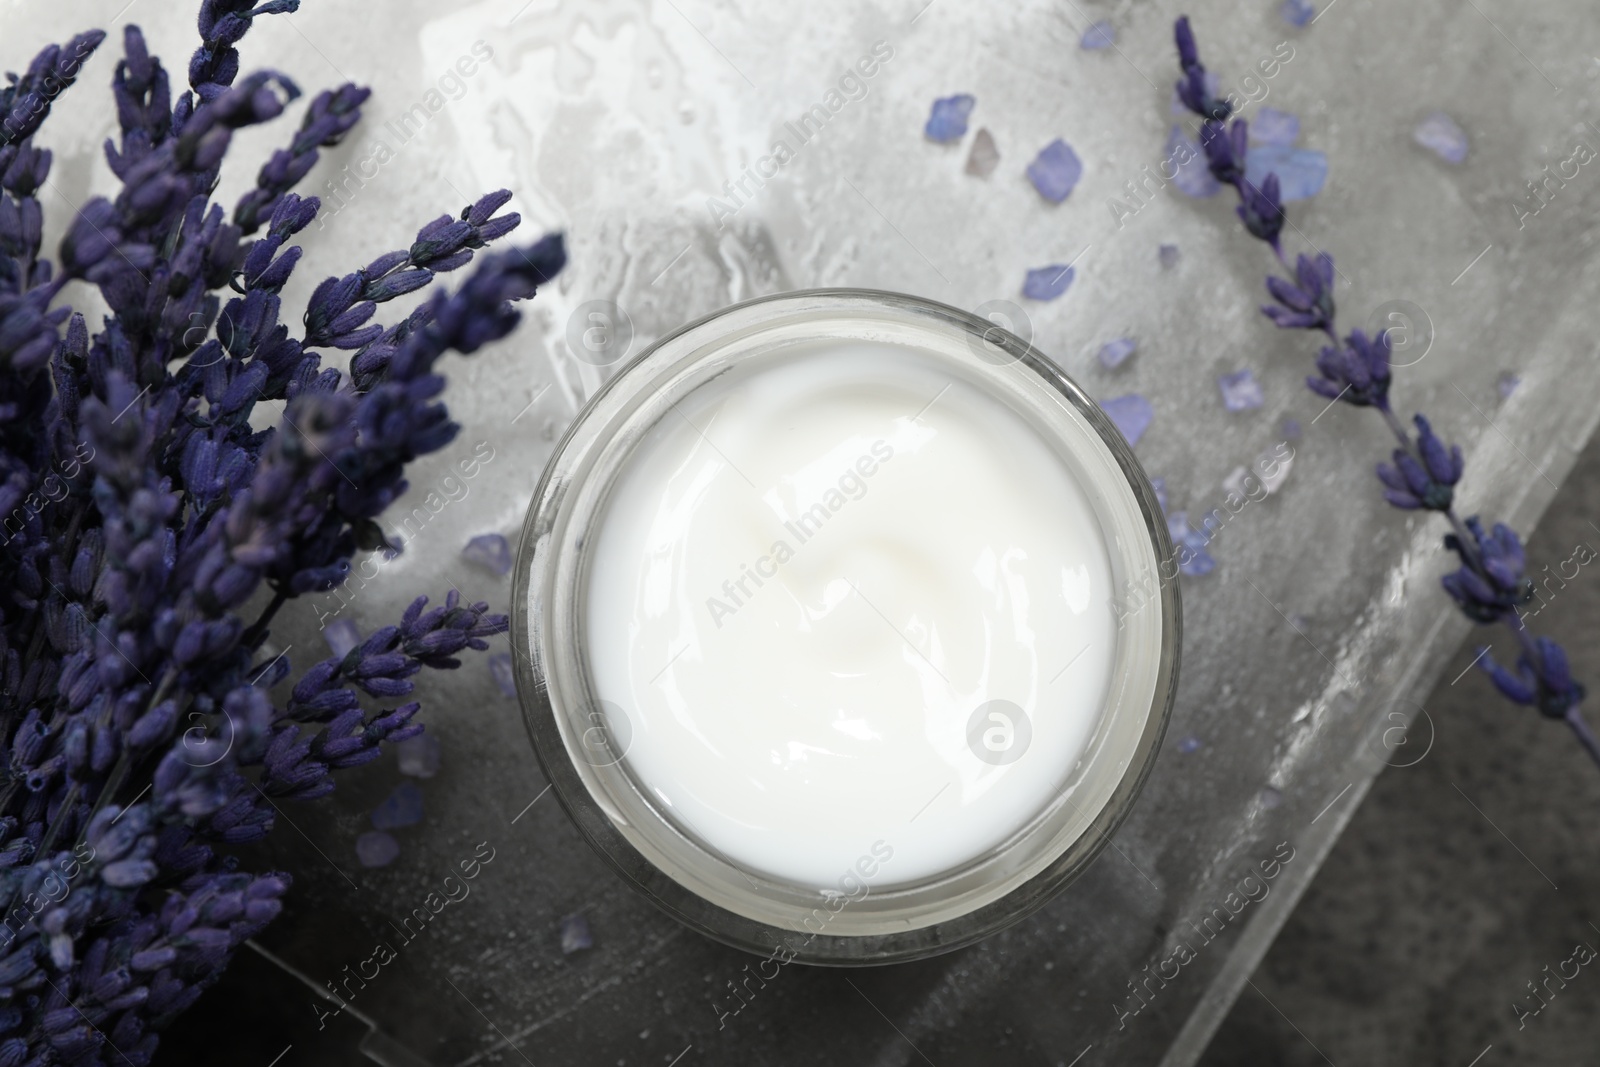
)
(1461, 879)
(616, 121)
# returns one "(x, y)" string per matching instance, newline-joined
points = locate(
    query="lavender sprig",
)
(1491, 584)
(144, 505)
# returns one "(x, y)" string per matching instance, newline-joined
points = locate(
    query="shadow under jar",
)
(846, 626)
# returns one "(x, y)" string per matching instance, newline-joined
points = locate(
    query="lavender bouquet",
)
(1490, 585)
(151, 530)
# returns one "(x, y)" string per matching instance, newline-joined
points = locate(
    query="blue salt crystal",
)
(1189, 744)
(1298, 12)
(1200, 562)
(575, 934)
(1507, 384)
(1301, 172)
(342, 636)
(1271, 126)
(504, 676)
(1291, 429)
(948, 120)
(376, 849)
(1131, 414)
(1055, 170)
(1101, 35)
(1240, 391)
(1441, 135)
(1196, 562)
(985, 156)
(1271, 798)
(1192, 177)
(490, 551)
(1168, 255)
(403, 807)
(1160, 486)
(1114, 354)
(419, 756)
(1047, 283)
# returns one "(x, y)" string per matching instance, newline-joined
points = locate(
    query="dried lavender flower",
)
(1490, 585)
(145, 501)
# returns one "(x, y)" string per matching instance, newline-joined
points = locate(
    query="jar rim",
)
(673, 869)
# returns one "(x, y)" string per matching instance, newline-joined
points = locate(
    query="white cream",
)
(806, 583)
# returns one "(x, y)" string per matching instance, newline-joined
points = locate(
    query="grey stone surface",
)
(1460, 879)
(616, 120)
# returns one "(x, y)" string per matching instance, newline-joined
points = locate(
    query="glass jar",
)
(582, 741)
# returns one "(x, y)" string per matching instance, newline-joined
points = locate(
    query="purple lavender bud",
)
(1261, 210)
(1193, 89)
(125, 874)
(1307, 305)
(1490, 584)
(205, 937)
(1444, 467)
(154, 727)
(1225, 149)
(17, 966)
(482, 211)
(1183, 35)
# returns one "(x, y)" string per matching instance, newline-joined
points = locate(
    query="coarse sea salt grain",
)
(419, 756)
(342, 636)
(1271, 126)
(947, 121)
(985, 156)
(1443, 136)
(500, 669)
(1298, 12)
(1302, 172)
(1192, 177)
(575, 935)
(1199, 561)
(401, 808)
(1055, 171)
(490, 551)
(1132, 414)
(1240, 391)
(1047, 283)
(1114, 354)
(376, 849)
(1101, 35)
